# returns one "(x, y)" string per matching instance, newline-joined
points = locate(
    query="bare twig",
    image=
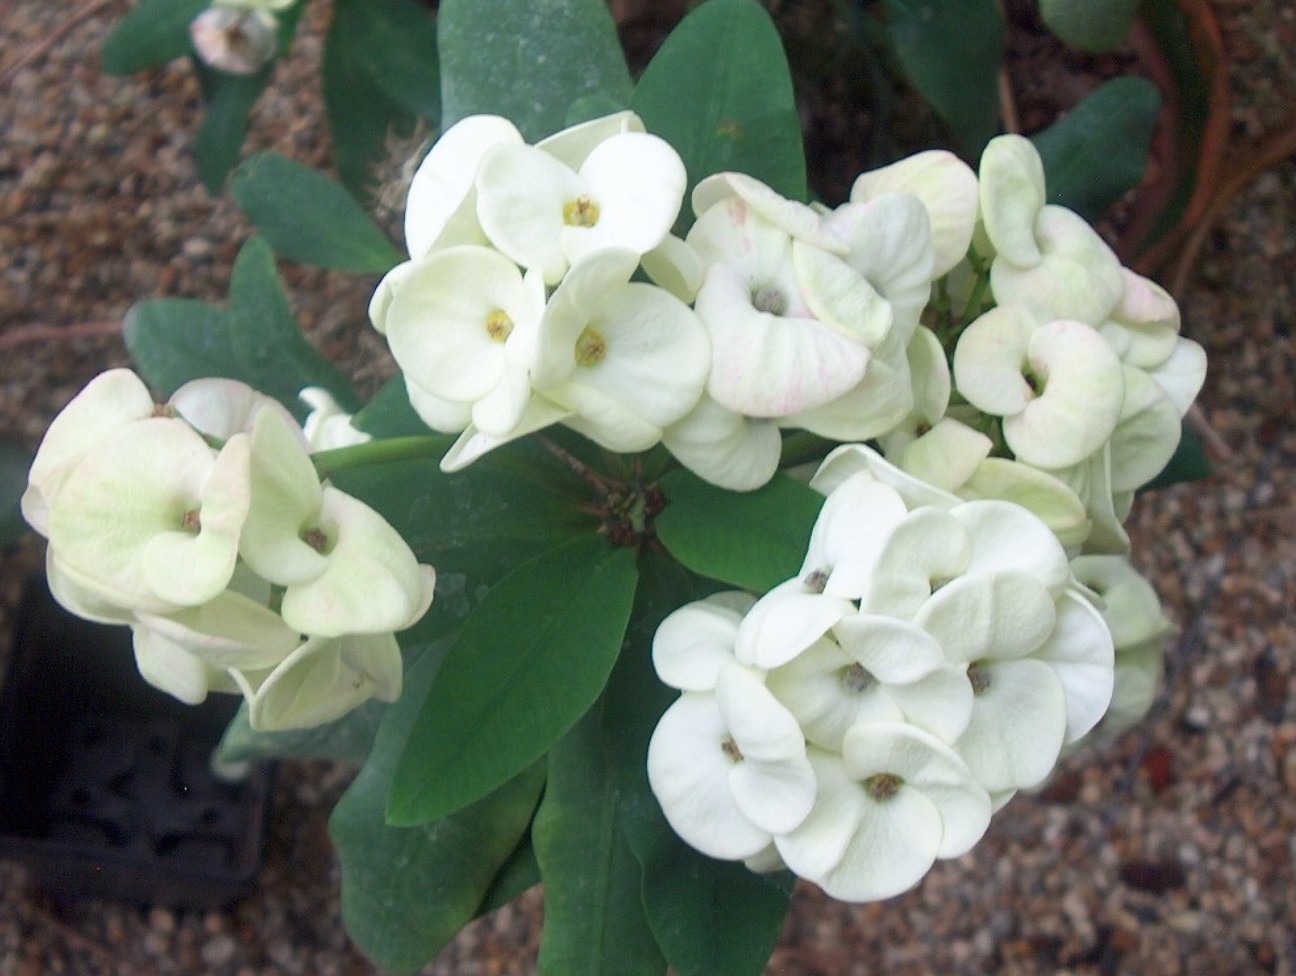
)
(1271, 150)
(58, 333)
(35, 50)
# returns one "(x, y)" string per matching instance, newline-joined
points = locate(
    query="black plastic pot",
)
(106, 785)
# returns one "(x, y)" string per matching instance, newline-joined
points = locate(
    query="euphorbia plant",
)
(769, 538)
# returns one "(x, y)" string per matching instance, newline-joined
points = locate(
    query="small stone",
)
(219, 950)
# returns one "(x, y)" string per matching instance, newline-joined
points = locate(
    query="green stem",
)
(328, 463)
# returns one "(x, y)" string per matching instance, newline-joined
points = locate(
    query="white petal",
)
(1080, 403)
(540, 412)
(521, 195)
(993, 615)
(697, 640)
(849, 459)
(440, 207)
(948, 190)
(638, 182)
(230, 631)
(170, 668)
(324, 679)
(1012, 195)
(1147, 434)
(773, 783)
(1080, 652)
(1079, 278)
(573, 145)
(784, 622)
(1017, 726)
(286, 498)
(688, 771)
(793, 218)
(222, 408)
(724, 447)
(142, 482)
(989, 360)
(928, 547)
(850, 533)
(373, 583)
(927, 766)
(188, 569)
(1005, 536)
(111, 400)
(675, 266)
(1037, 491)
(1182, 374)
(840, 296)
(890, 245)
(448, 321)
(767, 365)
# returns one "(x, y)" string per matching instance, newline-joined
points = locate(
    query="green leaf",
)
(529, 662)
(739, 113)
(710, 918)
(1094, 26)
(518, 874)
(151, 33)
(276, 358)
(952, 50)
(347, 739)
(1189, 463)
(307, 217)
(594, 912)
(380, 75)
(753, 540)
(175, 340)
(224, 126)
(406, 891)
(390, 414)
(476, 525)
(527, 60)
(256, 340)
(14, 465)
(1099, 149)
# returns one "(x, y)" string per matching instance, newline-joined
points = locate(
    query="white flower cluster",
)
(202, 525)
(863, 719)
(1067, 390)
(517, 310)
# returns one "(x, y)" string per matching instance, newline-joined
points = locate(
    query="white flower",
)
(893, 802)
(328, 426)
(150, 518)
(546, 214)
(872, 667)
(1059, 387)
(791, 325)
(729, 767)
(1048, 259)
(625, 359)
(462, 325)
(345, 570)
(109, 401)
(238, 39)
(322, 680)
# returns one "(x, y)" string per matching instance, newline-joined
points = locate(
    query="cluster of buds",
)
(865, 718)
(201, 523)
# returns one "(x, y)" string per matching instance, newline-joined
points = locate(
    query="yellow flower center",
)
(581, 212)
(591, 348)
(498, 325)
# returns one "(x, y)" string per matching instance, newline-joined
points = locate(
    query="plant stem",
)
(328, 463)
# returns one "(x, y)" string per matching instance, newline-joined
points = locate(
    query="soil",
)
(1168, 851)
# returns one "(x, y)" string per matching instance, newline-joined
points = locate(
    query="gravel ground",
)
(1167, 852)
